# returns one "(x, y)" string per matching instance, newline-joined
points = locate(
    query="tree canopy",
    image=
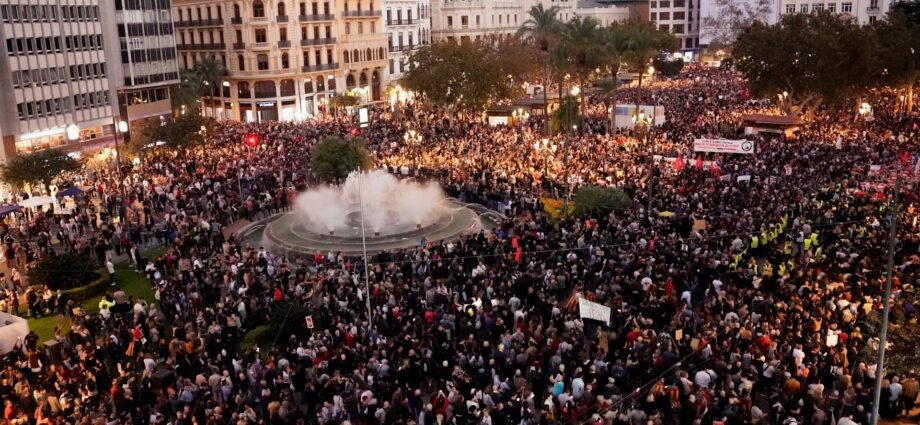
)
(470, 74)
(815, 58)
(184, 130)
(334, 158)
(38, 167)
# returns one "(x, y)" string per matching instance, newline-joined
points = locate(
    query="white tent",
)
(36, 201)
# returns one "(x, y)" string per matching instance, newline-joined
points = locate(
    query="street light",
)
(73, 132)
(545, 149)
(641, 120)
(414, 139)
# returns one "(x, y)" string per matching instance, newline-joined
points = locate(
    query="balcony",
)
(316, 18)
(239, 46)
(283, 44)
(405, 48)
(362, 13)
(200, 23)
(317, 41)
(401, 22)
(872, 9)
(320, 67)
(260, 46)
(208, 46)
(236, 21)
(282, 19)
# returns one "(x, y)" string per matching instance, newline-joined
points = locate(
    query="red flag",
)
(517, 255)
(699, 161)
(678, 163)
(715, 169)
(514, 242)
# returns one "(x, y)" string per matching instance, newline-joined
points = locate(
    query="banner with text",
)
(592, 310)
(723, 146)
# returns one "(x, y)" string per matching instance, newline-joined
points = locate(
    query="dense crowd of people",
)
(748, 293)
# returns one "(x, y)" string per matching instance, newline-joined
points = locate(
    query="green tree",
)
(334, 158)
(542, 28)
(614, 39)
(211, 73)
(668, 68)
(900, 53)
(582, 38)
(470, 75)
(566, 115)
(344, 100)
(599, 201)
(64, 271)
(727, 18)
(814, 58)
(38, 167)
(187, 93)
(184, 130)
(645, 42)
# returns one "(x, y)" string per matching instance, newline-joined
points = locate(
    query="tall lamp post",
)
(565, 151)
(414, 138)
(120, 129)
(645, 122)
(545, 149)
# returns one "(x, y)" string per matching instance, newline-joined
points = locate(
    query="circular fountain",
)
(396, 214)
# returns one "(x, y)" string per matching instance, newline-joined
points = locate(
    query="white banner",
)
(723, 146)
(593, 310)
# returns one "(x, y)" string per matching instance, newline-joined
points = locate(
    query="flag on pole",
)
(678, 163)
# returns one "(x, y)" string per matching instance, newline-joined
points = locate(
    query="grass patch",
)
(133, 283)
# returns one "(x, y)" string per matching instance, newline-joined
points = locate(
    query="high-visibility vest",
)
(787, 248)
(818, 254)
(807, 244)
(754, 242)
(814, 239)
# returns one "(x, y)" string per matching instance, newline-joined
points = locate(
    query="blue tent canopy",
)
(6, 209)
(70, 191)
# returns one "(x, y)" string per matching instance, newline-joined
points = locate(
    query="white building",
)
(864, 11)
(53, 75)
(408, 26)
(475, 19)
(605, 14)
(681, 17)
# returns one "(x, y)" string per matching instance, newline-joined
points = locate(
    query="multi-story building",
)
(284, 59)
(605, 14)
(408, 26)
(456, 20)
(863, 11)
(54, 90)
(681, 17)
(143, 59)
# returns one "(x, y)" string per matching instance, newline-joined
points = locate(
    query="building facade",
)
(863, 11)
(54, 86)
(142, 57)
(458, 20)
(285, 59)
(680, 17)
(408, 26)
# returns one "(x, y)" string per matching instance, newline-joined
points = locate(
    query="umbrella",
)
(70, 191)
(36, 201)
(6, 209)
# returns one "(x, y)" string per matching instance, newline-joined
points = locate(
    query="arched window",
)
(258, 9)
(243, 90)
(308, 86)
(287, 87)
(380, 53)
(367, 54)
(265, 89)
(363, 80)
(350, 82)
(285, 61)
(345, 57)
(320, 84)
(242, 61)
(262, 60)
(354, 56)
(330, 82)
(236, 11)
(281, 10)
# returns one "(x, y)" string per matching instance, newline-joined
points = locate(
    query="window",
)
(236, 11)
(817, 7)
(664, 27)
(477, 21)
(260, 36)
(391, 66)
(465, 21)
(258, 9)
(678, 28)
(664, 4)
(679, 16)
(873, 4)
(345, 56)
(285, 61)
(329, 58)
(664, 16)
(389, 17)
(832, 7)
(872, 19)
(846, 7)
(281, 9)
(654, 16)
(262, 60)
(380, 53)
(282, 34)
(790, 8)
(803, 8)
(450, 21)
(239, 36)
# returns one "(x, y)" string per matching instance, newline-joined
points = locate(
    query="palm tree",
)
(211, 74)
(188, 92)
(582, 38)
(614, 43)
(542, 27)
(643, 43)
